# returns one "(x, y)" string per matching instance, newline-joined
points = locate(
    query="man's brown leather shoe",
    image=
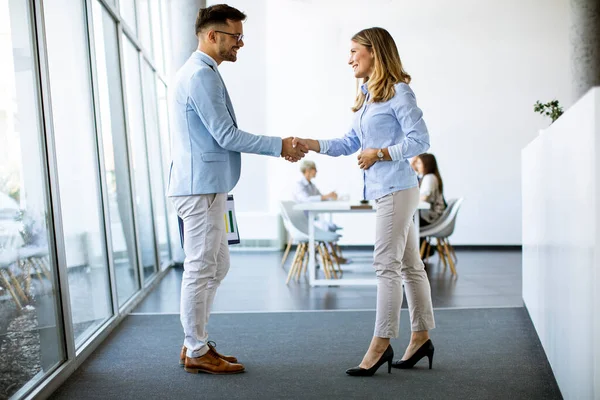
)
(211, 363)
(211, 345)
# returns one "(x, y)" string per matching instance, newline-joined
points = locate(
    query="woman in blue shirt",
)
(388, 129)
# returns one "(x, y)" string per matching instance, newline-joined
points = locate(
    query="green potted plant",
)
(551, 109)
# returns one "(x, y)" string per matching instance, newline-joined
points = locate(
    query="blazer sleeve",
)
(207, 98)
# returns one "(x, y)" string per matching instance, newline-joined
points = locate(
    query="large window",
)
(116, 160)
(83, 215)
(157, 43)
(128, 13)
(144, 23)
(31, 337)
(139, 156)
(156, 161)
(165, 144)
(77, 162)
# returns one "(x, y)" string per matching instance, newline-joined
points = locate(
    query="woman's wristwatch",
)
(380, 154)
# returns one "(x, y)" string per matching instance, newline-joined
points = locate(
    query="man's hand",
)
(292, 152)
(367, 158)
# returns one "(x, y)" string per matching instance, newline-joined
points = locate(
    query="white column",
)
(183, 41)
(585, 45)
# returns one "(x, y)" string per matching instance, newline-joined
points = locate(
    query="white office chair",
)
(296, 224)
(442, 229)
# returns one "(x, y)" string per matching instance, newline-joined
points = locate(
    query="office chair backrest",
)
(444, 226)
(298, 222)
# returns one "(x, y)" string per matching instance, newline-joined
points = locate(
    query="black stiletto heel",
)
(387, 356)
(426, 350)
(430, 357)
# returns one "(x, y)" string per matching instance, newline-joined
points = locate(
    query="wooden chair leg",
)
(294, 264)
(37, 272)
(43, 263)
(332, 273)
(333, 252)
(334, 260)
(301, 261)
(17, 286)
(324, 262)
(422, 251)
(305, 266)
(441, 252)
(10, 290)
(287, 251)
(338, 250)
(339, 268)
(27, 267)
(332, 270)
(452, 250)
(427, 250)
(331, 261)
(450, 260)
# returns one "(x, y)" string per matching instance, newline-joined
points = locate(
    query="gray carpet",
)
(480, 354)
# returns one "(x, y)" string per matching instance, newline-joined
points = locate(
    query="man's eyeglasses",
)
(238, 36)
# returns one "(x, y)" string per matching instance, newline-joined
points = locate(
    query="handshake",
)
(294, 149)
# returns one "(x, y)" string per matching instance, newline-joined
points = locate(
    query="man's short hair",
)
(217, 15)
(306, 165)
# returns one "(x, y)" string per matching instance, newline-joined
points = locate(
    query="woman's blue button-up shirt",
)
(396, 124)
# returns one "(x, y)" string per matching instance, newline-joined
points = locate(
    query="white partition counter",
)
(561, 245)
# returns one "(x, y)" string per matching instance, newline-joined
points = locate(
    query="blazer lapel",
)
(228, 101)
(227, 98)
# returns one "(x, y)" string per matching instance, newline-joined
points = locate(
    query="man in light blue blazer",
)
(206, 147)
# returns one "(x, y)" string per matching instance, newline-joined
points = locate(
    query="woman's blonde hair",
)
(387, 68)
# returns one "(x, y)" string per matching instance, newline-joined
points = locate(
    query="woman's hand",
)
(309, 144)
(367, 158)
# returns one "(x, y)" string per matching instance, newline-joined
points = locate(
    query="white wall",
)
(561, 246)
(477, 67)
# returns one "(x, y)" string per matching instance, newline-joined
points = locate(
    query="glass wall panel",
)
(143, 19)
(115, 153)
(31, 338)
(157, 39)
(156, 162)
(139, 156)
(165, 35)
(128, 13)
(77, 160)
(164, 158)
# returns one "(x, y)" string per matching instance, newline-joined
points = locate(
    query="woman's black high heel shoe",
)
(425, 350)
(387, 356)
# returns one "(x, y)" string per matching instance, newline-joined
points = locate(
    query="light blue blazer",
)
(205, 140)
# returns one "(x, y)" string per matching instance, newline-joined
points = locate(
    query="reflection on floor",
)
(256, 282)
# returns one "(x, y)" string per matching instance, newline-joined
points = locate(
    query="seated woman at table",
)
(431, 188)
(305, 191)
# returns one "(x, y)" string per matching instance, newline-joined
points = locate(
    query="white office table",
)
(329, 207)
